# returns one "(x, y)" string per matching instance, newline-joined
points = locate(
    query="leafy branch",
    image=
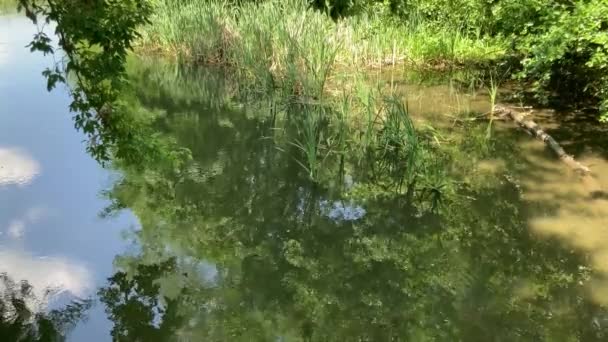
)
(94, 37)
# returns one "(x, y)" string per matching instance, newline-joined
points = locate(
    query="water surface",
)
(239, 244)
(50, 232)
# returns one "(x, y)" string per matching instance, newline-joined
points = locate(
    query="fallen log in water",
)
(532, 128)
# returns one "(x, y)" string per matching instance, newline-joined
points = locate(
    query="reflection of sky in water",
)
(336, 210)
(4, 52)
(50, 232)
(17, 227)
(341, 210)
(17, 167)
(60, 276)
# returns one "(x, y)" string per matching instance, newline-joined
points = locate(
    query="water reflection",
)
(47, 275)
(237, 244)
(21, 319)
(52, 244)
(576, 212)
(301, 261)
(41, 299)
(342, 211)
(18, 226)
(17, 167)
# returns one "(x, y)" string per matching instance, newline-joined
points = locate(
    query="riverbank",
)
(291, 51)
(272, 40)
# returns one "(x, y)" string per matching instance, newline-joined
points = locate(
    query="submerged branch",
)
(532, 128)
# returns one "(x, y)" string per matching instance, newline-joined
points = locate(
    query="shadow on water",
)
(560, 204)
(577, 130)
(569, 208)
(241, 245)
(563, 205)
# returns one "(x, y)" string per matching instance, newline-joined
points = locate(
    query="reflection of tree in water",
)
(133, 305)
(20, 322)
(287, 270)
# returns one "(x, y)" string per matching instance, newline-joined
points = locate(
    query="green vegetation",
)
(8, 6)
(240, 245)
(558, 48)
(295, 51)
(493, 93)
(327, 211)
(271, 32)
(562, 46)
(95, 38)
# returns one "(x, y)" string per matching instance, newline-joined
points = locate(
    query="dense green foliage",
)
(564, 47)
(559, 46)
(94, 38)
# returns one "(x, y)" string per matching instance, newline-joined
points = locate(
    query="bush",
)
(563, 46)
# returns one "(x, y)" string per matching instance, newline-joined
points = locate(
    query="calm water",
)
(50, 231)
(240, 245)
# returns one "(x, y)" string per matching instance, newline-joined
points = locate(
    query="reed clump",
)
(276, 37)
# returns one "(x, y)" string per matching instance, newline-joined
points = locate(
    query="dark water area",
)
(239, 244)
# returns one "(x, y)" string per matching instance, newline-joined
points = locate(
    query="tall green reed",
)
(493, 94)
(308, 121)
(261, 33)
(398, 148)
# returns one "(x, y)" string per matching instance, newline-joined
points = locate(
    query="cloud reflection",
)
(49, 277)
(4, 51)
(3, 56)
(16, 229)
(17, 167)
(18, 226)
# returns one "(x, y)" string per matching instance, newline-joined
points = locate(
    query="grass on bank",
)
(276, 33)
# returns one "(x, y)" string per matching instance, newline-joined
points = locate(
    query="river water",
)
(242, 246)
